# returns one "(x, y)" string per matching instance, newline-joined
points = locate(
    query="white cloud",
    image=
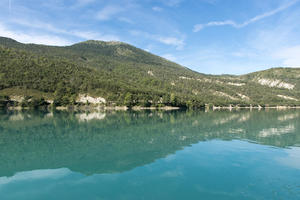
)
(35, 38)
(280, 42)
(108, 12)
(244, 53)
(157, 9)
(41, 26)
(126, 20)
(290, 56)
(169, 57)
(178, 43)
(199, 27)
(94, 35)
(35, 24)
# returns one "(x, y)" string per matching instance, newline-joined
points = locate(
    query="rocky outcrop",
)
(86, 99)
(275, 83)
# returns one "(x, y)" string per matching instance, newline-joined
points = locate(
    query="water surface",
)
(150, 155)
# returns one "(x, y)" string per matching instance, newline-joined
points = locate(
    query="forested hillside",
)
(34, 75)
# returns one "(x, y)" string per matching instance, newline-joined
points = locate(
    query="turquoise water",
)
(150, 155)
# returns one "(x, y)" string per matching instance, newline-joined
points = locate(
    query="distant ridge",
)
(125, 75)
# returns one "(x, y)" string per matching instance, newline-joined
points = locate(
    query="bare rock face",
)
(287, 97)
(275, 83)
(18, 99)
(84, 98)
(150, 73)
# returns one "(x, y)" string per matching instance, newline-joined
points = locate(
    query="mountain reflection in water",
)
(97, 143)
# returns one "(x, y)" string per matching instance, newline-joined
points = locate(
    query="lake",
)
(150, 155)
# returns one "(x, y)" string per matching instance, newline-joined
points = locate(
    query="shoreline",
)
(92, 108)
(254, 107)
(141, 108)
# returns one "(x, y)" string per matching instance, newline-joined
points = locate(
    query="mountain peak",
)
(98, 42)
(118, 71)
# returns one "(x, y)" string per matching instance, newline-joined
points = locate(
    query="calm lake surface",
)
(150, 155)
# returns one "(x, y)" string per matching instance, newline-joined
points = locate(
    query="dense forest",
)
(38, 75)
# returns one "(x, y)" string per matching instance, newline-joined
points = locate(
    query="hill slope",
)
(125, 75)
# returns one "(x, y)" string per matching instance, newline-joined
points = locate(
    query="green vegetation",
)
(125, 75)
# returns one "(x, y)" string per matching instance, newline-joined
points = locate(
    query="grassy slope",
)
(112, 69)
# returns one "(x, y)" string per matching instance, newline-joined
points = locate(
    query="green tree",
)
(128, 100)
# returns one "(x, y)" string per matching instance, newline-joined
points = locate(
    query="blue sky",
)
(208, 36)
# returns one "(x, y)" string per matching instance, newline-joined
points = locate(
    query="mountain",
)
(122, 74)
